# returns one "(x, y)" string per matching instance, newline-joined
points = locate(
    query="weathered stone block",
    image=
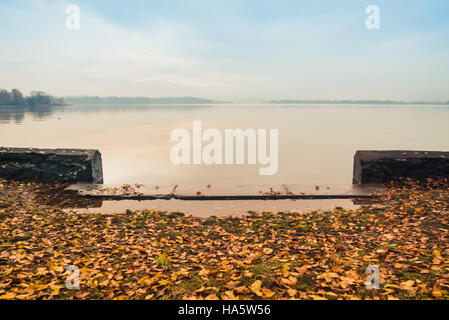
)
(382, 166)
(51, 165)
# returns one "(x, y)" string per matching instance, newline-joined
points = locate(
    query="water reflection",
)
(17, 114)
(217, 208)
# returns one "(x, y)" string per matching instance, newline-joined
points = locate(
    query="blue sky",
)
(228, 50)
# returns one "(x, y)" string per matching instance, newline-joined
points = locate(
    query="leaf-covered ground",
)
(155, 255)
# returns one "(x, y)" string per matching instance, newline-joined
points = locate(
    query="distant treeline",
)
(356, 102)
(37, 98)
(136, 100)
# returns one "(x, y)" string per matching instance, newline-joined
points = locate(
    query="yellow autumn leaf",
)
(7, 296)
(115, 283)
(315, 297)
(255, 287)
(407, 285)
(142, 280)
(247, 274)
(267, 293)
(292, 292)
(241, 289)
(290, 281)
(438, 293)
(41, 271)
(55, 291)
(8, 271)
(204, 272)
(229, 295)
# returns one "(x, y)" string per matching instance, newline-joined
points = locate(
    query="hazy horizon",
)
(228, 50)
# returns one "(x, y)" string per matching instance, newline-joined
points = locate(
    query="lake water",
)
(316, 142)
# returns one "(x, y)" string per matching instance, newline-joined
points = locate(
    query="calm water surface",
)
(316, 142)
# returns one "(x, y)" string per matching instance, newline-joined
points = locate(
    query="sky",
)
(233, 50)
